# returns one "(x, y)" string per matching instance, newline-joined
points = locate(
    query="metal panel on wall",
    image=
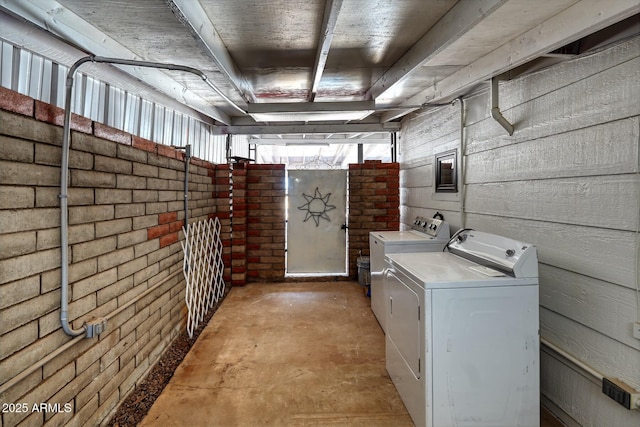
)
(40, 78)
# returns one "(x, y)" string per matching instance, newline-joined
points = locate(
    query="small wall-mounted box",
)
(95, 327)
(622, 393)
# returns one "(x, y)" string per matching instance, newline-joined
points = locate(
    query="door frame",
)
(345, 229)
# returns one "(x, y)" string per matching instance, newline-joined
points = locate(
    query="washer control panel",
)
(430, 226)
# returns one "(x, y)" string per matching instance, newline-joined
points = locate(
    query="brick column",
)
(221, 180)
(238, 224)
(266, 222)
(374, 204)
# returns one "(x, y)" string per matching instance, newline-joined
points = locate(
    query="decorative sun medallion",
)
(317, 207)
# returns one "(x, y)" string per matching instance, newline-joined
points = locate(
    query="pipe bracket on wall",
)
(495, 108)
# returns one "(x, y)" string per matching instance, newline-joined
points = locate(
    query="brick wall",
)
(125, 215)
(265, 222)
(373, 204)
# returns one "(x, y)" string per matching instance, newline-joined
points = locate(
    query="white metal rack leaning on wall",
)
(203, 269)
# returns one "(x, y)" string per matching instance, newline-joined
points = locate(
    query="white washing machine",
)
(462, 342)
(426, 235)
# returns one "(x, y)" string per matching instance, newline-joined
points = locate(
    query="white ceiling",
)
(300, 56)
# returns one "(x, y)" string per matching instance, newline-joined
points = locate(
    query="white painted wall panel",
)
(92, 98)
(132, 114)
(46, 83)
(609, 96)
(423, 196)
(59, 85)
(566, 181)
(102, 96)
(544, 81)
(420, 175)
(146, 119)
(36, 77)
(595, 349)
(427, 134)
(571, 391)
(428, 148)
(430, 125)
(167, 124)
(219, 145)
(6, 63)
(415, 196)
(240, 145)
(605, 149)
(24, 59)
(117, 103)
(590, 302)
(600, 201)
(180, 132)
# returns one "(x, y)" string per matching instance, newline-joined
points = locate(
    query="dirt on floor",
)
(134, 408)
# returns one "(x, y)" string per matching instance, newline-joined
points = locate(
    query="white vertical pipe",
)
(64, 222)
(462, 164)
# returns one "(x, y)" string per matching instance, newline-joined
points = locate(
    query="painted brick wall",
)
(265, 222)
(373, 204)
(125, 216)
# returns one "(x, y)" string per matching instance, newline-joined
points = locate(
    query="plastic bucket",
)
(364, 274)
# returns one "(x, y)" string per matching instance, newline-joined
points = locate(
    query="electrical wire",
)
(455, 235)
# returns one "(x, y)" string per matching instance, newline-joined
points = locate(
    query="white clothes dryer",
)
(426, 235)
(462, 342)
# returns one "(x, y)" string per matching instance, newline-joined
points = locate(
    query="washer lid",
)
(436, 270)
(512, 257)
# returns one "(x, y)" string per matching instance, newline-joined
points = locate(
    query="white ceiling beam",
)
(276, 141)
(387, 116)
(307, 107)
(329, 20)
(454, 24)
(201, 27)
(581, 19)
(310, 111)
(69, 26)
(308, 129)
(249, 121)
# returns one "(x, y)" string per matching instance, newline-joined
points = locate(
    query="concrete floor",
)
(291, 354)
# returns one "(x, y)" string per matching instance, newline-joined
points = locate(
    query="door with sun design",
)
(316, 219)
